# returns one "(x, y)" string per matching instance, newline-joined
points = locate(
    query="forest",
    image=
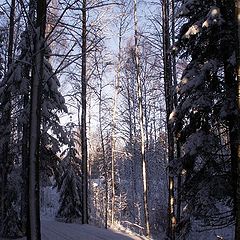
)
(120, 119)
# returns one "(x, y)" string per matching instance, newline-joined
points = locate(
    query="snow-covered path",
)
(52, 230)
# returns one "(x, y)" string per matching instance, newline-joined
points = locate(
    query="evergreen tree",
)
(12, 222)
(70, 209)
(49, 166)
(206, 107)
(6, 160)
(18, 80)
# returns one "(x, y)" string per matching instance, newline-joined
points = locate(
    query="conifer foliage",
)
(16, 86)
(205, 112)
(111, 166)
(70, 209)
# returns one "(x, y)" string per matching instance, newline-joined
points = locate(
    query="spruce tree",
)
(11, 226)
(70, 186)
(17, 80)
(205, 112)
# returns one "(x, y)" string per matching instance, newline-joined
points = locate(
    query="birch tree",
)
(123, 23)
(142, 122)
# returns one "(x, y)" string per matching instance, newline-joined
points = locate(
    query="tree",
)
(35, 120)
(11, 225)
(18, 82)
(124, 15)
(207, 109)
(5, 118)
(89, 43)
(169, 108)
(84, 114)
(237, 14)
(101, 68)
(70, 186)
(142, 122)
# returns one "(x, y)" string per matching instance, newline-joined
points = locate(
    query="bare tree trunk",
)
(113, 143)
(237, 191)
(142, 129)
(175, 103)
(106, 187)
(132, 151)
(25, 138)
(25, 173)
(35, 121)
(11, 33)
(103, 150)
(84, 117)
(169, 108)
(114, 113)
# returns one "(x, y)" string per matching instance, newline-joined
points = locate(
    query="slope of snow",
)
(52, 230)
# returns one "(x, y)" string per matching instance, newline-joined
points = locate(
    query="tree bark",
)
(132, 131)
(83, 116)
(25, 137)
(25, 173)
(237, 159)
(169, 108)
(103, 152)
(142, 122)
(175, 103)
(35, 120)
(114, 113)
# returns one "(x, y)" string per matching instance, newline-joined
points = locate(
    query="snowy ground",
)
(52, 230)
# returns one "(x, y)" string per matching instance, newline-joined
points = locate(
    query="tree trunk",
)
(35, 120)
(11, 33)
(25, 173)
(114, 113)
(103, 153)
(175, 103)
(83, 117)
(237, 191)
(132, 150)
(25, 138)
(233, 125)
(142, 121)
(169, 108)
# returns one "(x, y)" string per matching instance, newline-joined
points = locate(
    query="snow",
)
(52, 230)
(193, 30)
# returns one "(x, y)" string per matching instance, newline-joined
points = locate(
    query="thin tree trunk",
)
(83, 117)
(25, 173)
(106, 188)
(175, 103)
(169, 108)
(237, 191)
(25, 138)
(141, 118)
(35, 121)
(11, 33)
(103, 152)
(114, 113)
(132, 151)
